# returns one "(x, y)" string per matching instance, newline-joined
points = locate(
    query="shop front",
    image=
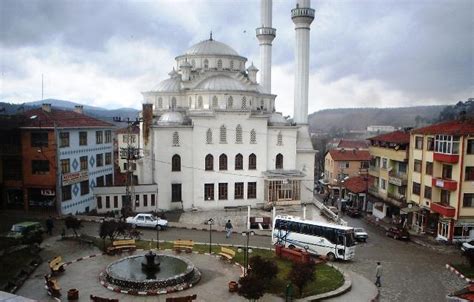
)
(41, 199)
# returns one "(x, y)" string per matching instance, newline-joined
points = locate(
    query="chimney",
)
(46, 107)
(79, 109)
(147, 114)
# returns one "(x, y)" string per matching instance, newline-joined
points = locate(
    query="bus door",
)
(341, 240)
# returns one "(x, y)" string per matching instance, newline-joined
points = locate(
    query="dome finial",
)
(210, 36)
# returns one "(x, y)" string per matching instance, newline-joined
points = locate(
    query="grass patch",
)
(11, 264)
(465, 269)
(327, 278)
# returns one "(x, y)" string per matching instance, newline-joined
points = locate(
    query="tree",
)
(73, 223)
(263, 269)
(301, 274)
(251, 287)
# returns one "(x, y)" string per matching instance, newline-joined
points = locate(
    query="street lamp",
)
(246, 250)
(210, 222)
(158, 237)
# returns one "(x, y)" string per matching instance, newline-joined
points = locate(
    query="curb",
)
(458, 273)
(344, 288)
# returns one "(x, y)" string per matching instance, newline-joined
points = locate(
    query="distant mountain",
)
(98, 112)
(347, 119)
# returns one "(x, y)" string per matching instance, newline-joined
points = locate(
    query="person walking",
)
(49, 225)
(228, 229)
(378, 274)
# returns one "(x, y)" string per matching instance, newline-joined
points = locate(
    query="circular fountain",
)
(151, 273)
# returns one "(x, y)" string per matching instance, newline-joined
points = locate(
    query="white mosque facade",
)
(211, 136)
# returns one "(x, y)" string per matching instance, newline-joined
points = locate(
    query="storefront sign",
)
(48, 192)
(75, 177)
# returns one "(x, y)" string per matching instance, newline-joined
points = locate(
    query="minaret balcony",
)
(266, 31)
(302, 12)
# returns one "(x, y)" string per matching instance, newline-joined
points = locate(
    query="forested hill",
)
(359, 118)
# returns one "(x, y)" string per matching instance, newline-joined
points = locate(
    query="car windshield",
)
(17, 228)
(359, 230)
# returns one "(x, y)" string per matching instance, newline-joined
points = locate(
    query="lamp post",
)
(210, 222)
(158, 237)
(246, 250)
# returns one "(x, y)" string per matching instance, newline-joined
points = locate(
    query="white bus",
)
(319, 238)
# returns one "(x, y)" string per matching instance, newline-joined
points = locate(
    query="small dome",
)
(169, 85)
(276, 119)
(222, 82)
(211, 47)
(171, 118)
(252, 68)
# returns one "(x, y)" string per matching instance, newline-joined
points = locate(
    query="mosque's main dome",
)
(211, 47)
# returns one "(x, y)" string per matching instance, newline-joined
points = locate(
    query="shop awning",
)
(411, 209)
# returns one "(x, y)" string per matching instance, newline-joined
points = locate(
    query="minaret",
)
(265, 36)
(302, 17)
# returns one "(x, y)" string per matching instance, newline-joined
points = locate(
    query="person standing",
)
(378, 274)
(228, 229)
(49, 225)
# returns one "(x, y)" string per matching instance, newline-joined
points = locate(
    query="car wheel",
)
(158, 227)
(331, 257)
(291, 246)
(134, 226)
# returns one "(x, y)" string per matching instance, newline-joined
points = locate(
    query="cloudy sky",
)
(367, 53)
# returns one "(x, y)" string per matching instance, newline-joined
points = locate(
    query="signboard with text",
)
(75, 177)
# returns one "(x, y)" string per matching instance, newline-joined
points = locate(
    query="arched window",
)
(176, 163)
(223, 135)
(215, 103)
(175, 139)
(173, 103)
(209, 162)
(238, 134)
(206, 64)
(244, 103)
(230, 102)
(253, 136)
(279, 161)
(223, 162)
(231, 64)
(239, 162)
(252, 162)
(279, 139)
(160, 103)
(209, 136)
(199, 102)
(219, 64)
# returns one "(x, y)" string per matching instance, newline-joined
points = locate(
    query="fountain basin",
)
(175, 272)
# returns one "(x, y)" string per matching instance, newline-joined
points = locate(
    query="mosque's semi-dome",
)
(221, 82)
(211, 47)
(171, 118)
(276, 119)
(169, 85)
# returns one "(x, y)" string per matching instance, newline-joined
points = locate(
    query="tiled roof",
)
(449, 128)
(350, 155)
(397, 137)
(61, 119)
(353, 144)
(356, 184)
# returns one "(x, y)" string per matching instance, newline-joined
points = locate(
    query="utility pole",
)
(131, 153)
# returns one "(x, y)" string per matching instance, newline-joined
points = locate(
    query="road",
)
(410, 272)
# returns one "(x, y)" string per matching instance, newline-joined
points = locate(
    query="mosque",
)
(211, 136)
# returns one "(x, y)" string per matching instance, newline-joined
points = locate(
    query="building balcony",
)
(395, 196)
(446, 158)
(442, 209)
(445, 184)
(374, 190)
(398, 179)
(374, 171)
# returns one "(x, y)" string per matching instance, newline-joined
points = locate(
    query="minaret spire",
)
(210, 36)
(265, 36)
(302, 17)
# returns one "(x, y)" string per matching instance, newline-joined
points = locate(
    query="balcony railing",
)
(396, 196)
(397, 178)
(442, 209)
(374, 170)
(446, 158)
(445, 184)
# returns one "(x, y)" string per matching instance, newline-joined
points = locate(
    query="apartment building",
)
(341, 164)
(441, 179)
(125, 138)
(64, 155)
(388, 171)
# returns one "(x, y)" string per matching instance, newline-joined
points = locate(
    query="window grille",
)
(253, 136)
(223, 135)
(238, 134)
(209, 136)
(175, 139)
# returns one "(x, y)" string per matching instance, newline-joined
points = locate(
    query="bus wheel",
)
(331, 257)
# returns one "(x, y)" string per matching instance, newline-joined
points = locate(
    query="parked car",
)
(147, 221)
(26, 232)
(353, 212)
(360, 234)
(397, 233)
(467, 246)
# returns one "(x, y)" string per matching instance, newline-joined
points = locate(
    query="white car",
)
(360, 234)
(147, 221)
(467, 246)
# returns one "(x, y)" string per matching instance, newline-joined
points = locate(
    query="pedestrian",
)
(228, 229)
(49, 225)
(378, 274)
